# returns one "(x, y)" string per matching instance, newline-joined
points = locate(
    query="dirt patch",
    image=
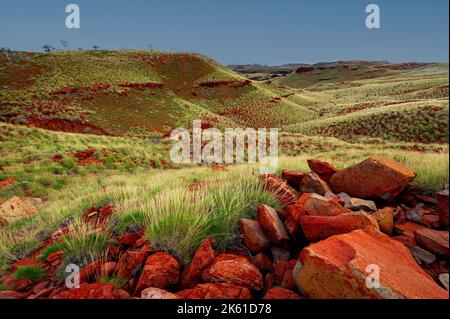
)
(67, 126)
(229, 84)
(20, 75)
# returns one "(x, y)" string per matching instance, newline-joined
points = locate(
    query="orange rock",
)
(272, 225)
(385, 220)
(7, 182)
(203, 257)
(322, 169)
(376, 177)
(157, 293)
(215, 291)
(433, 240)
(253, 236)
(339, 266)
(161, 270)
(233, 269)
(318, 228)
(281, 293)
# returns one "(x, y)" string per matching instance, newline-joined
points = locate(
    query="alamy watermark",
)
(233, 145)
(373, 20)
(73, 19)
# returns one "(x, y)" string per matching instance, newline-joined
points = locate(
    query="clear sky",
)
(238, 31)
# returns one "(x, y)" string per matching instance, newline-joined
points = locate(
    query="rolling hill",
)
(137, 93)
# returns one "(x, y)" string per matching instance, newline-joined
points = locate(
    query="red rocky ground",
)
(322, 243)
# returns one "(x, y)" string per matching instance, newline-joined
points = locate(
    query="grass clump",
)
(33, 273)
(114, 280)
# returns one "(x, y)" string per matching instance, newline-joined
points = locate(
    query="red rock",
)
(376, 177)
(336, 268)
(281, 293)
(292, 221)
(20, 284)
(237, 270)
(272, 225)
(215, 291)
(156, 293)
(203, 257)
(433, 240)
(253, 236)
(12, 295)
(312, 183)
(88, 291)
(90, 271)
(40, 287)
(121, 294)
(317, 205)
(285, 193)
(129, 263)
(283, 273)
(25, 263)
(7, 182)
(318, 228)
(58, 255)
(263, 262)
(407, 228)
(129, 239)
(293, 178)
(270, 280)
(442, 199)
(161, 270)
(42, 294)
(322, 169)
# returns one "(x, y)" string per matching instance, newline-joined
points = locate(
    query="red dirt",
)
(67, 126)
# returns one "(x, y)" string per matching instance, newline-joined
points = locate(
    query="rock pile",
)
(361, 232)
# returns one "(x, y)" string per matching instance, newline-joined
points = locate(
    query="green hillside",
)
(137, 93)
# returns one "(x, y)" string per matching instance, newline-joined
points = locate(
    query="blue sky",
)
(238, 32)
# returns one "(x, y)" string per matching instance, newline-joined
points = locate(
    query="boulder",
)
(203, 257)
(317, 228)
(157, 293)
(215, 291)
(15, 209)
(88, 291)
(263, 262)
(322, 169)
(342, 266)
(253, 236)
(281, 293)
(293, 178)
(130, 264)
(385, 220)
(376, 177)
(442, 199)
(233, 269)
(312, 183)
(435, 241)
(161, 270)
(272, 225)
